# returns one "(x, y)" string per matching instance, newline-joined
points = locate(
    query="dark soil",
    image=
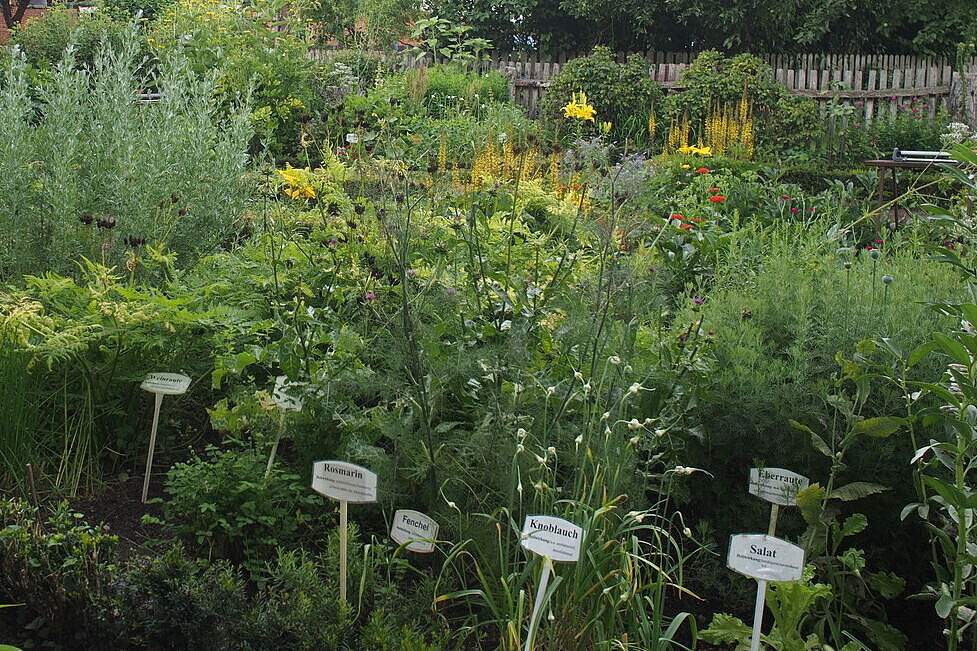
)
(119, 506)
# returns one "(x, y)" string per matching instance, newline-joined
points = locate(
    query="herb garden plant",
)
(607, 316)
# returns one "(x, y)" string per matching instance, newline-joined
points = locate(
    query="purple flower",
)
(698, 301)
(369, 296)
(412, 272)
(451, 291)
(333, 241)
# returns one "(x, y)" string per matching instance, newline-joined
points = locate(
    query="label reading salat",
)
(281, 396)
(765, 557)
(553, 537)
(777, 485)
(414, 529)
(167, 384)
(344, 481)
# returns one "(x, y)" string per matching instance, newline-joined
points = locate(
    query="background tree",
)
(13, 11)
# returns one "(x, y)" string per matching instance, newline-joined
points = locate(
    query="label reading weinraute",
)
(168, 384)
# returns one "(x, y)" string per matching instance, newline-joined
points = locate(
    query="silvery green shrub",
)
(88, 170)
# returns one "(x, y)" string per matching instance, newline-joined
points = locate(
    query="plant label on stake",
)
(285, 403)
(159, 384)
(415, 530)
(764, 558)
(555, 539)
(344, 482)
(777, 485)
(283, 399)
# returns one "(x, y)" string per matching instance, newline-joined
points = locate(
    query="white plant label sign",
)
(415, 530)
(777, 485)
(554, 538)
(281, 396)
(344, 481)
(765, 557)
(167, 384)
(352, 138)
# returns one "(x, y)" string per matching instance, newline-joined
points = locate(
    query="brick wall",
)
(28, 15)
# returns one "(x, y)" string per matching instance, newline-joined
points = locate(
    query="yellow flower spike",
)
(605, 127)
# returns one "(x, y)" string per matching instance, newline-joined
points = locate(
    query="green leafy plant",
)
(622, 93)
(224, 506)
(60, 566)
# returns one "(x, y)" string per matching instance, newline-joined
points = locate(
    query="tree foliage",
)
(882, 26)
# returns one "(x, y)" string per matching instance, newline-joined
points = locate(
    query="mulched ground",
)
(119, 506)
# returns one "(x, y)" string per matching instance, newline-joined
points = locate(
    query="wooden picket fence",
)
(849, 88)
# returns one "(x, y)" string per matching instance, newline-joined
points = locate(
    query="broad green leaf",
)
(800, 426)
(885, 637)
(725, 629)
(880, 427)
(921, 452)
(856, 491)
(868, 346)
(969, 312)
(920, 352)
(887, 584)
(943, 606)
(855, 523)
(953, 348)
(821, 446)
(952, 495)
(809, 502)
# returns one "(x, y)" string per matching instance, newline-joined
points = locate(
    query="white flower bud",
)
(634, 388)
(633, 424)
(577, 375)
(614, 359)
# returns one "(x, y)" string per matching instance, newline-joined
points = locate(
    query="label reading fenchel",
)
(414, 529)
(553, 537)
(168, 384)
(344, 481)
(777, 485)
(765, 557)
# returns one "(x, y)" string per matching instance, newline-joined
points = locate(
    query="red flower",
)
(686, 227)
(717, 198)
(677, 216)
(715, 190)
(785, 197)
(795, 209)
(698, 219)
(702, 170)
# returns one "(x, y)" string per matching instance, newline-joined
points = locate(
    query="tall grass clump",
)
(88, 170)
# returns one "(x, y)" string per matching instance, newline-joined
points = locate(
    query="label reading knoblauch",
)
(555, 538)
